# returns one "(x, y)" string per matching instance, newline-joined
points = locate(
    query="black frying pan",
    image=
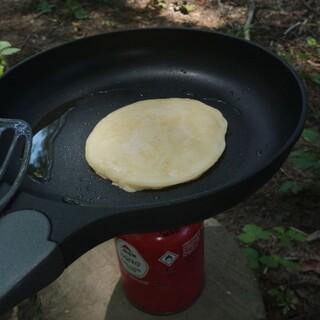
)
(261, 97)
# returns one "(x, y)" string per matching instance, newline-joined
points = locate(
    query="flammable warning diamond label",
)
(169, 258)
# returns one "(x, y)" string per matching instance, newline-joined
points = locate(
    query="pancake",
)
(153, 144)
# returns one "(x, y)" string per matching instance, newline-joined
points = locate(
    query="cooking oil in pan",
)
(40, 164)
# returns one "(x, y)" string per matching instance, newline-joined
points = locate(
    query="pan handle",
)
(28, 260)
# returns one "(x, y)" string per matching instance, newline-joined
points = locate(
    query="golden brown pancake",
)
(153, 144)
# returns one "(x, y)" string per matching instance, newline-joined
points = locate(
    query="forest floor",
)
(291, 200)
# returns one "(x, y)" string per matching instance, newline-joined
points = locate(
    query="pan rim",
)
(276, 156)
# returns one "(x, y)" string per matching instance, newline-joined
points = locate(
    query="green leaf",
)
(304, 159)
(279, 229)
(247, 238)
(252, 258)
(3, 61)
(258, 232)
(186, 8)
(252, 233)
(272, 262)
(80, 14)
(315, 78)
(303, 55)
(296, 235)
(285, 298)
(312, 42)
(45, 7)
(290, 187)
(290, 265)
(4, 45)
(9, 51)
(159, 4)
(2, 69)
(311, 135)
(76, 9)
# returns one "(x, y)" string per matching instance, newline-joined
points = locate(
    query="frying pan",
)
(51, 223)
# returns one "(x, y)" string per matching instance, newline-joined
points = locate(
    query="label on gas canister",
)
(191, 245)
(131, 259)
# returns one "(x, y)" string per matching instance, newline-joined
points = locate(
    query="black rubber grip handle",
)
(28, 260)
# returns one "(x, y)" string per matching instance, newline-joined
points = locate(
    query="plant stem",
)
(248, 23)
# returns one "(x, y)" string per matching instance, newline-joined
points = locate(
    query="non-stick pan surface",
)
(259, 95)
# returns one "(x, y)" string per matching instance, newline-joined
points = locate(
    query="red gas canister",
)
(162, 272)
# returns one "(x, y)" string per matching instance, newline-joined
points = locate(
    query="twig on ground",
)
(299, 24)
(314, 64)
(247, 25)
(304, 22)
(25, 41)
(291, 28)
(314, 236)
(287, 174)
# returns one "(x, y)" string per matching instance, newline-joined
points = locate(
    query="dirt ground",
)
(284, 26)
